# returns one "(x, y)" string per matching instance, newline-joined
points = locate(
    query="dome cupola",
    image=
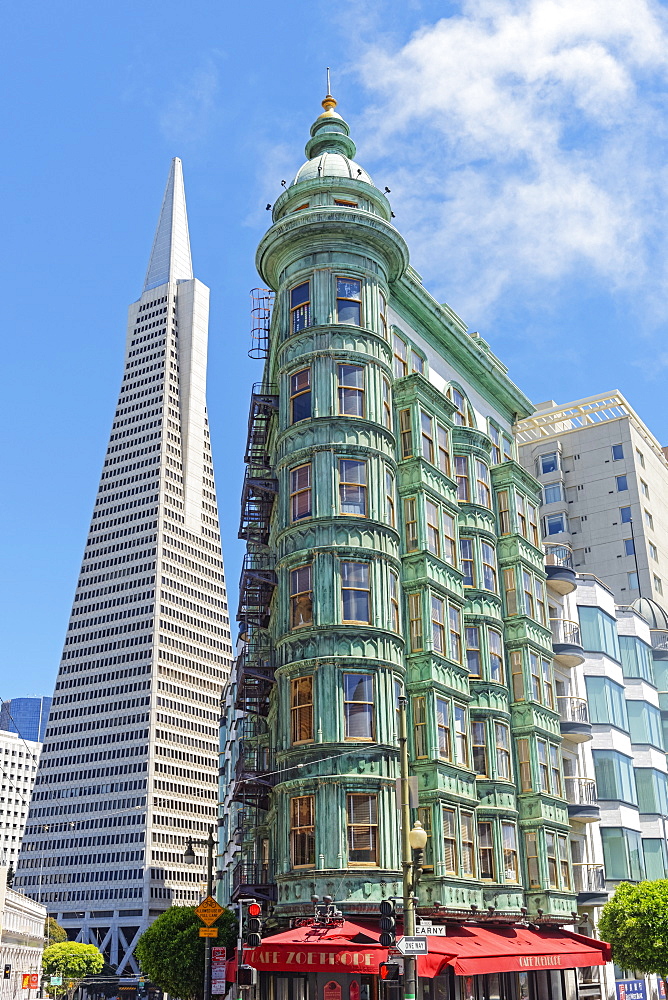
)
(330, 150)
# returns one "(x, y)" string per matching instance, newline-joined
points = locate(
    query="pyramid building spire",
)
(170, 258)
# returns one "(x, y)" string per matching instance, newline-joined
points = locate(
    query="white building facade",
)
(21, 940)
(19, 768)
(129, 770)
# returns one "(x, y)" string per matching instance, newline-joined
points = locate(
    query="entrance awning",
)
(474, 949)
(350, 947)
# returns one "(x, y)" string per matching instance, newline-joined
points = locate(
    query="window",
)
(443, 450)
(548, 687)
(300, 395)
(509, 835)
(415, 621)
(640, 457)
(420, 726)
(652, 793)
(543, 768)
(358, 706)
(539, 594)
(348, 301)
(300, 307)
(599, 632)
(438, 624)
(417, 362)
(394, 601)
(636, 658)
(362, 814)
(632, 581)
(653, 552)
(301, 596)
(382, 314)
(508, 449)
(486, 851)
(495, 438)
(649, 520)
(443, 729)
(406, 433)
(410, 524)
(433, 529)
(488, 567)
(300, 492)
(389, 497)
(461, 736)
(564, 867)
(495, 656)
(387, 405)
(479, 747)
(622, 483)
(654, 854)
(527, 582)
(302, 831)
(355, 592)
(622, 854)
(455, 634)
(644, 488)
(617, 452)
(533, 870)
(502, 740)
(644, 723)
(524, 761)
(629, 547)
(301, 709)
(467, 561)
(625, 515)
(424, 815)
(510, 591)
(473, 658)
(614, 776)
(462, 478)
(555, 770)
(351, 390)
(517, 671)
(448, 538)
(555, 524)
(533, 524)
(459, 416)
(552, 494)
(520, 512)
(450, 840)
(504, 512)
(352, 486)
(658, 586)
(607, 704)
(551, 854)
(482, 483)
(468, 844)
(547, 463)
(345, 204)
(400, 357)
(426, 425)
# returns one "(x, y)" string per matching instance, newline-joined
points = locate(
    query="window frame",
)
(356, 300)
(357, 589)
(296, 709)
(346, 484)
(372, 826)
(297, 490)
(295, 596)
(302, 829)
(350, 714)
(347, 391)
(299, 307)
(296, 393)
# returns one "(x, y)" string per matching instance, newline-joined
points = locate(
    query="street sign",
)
(208, 931)
(56, 981)
(435, 930)
(208, 911)
(416, 945)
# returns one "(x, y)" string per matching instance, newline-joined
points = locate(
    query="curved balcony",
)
(559, 568)
(589, 883)
(566, 642)
(582, 801)
(254, 878)
(659, 640)
(574, 719)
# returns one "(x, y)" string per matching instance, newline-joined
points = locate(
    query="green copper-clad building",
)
(393, 550)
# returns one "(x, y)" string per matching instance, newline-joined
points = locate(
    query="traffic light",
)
(389, 972)
(8, 972)
(388, 923)
(253, 925)
(246, 975)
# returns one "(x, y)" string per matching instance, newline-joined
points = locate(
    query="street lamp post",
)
(190, 858)
(413, 843)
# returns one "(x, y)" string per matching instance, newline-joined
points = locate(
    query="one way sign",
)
(416, 945)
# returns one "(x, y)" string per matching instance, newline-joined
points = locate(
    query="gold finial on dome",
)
(329, 103)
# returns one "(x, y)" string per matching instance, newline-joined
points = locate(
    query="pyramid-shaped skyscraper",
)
(130, 762)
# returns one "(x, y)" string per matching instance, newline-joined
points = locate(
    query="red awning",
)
(473, 949)
(346, 948)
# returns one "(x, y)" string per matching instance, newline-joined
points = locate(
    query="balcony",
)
(582, 800)
(254, 878)
(566, 642)
(255, 776)
(574, 715)
(263, 405)
(659, 640)
(257, 501)
(561, 577)
(589, 883)
(256, 588)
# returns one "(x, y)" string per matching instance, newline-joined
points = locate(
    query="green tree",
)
(73, 962)
(635, 923)
(171, 952)
(53, 932)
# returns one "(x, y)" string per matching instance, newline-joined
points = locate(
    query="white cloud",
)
(525, 140)
(188, 115)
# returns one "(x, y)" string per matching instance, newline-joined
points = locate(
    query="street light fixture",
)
(190, 858)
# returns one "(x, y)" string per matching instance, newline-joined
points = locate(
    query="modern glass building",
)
(26, 716)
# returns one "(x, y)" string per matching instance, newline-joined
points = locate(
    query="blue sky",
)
(524, 142)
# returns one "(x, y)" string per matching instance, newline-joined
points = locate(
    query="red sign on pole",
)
(34, 981)
(331, 990)
(25, 981)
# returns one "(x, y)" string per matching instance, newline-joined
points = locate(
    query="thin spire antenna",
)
(329, 86)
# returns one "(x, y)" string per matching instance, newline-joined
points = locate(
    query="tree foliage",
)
(72, 960)
(171, 952)
(53, 932)
(635, 923)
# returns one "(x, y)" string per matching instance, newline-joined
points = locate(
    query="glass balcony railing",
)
(573, 709)
(588, 878)
(558, 555)
(580, 791)
(565, 633)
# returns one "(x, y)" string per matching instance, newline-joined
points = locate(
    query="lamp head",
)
(189, 856)
(418, 836)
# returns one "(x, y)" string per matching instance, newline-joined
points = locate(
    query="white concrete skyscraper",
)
(130, 761)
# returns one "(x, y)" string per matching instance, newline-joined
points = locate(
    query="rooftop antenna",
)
(329, 91)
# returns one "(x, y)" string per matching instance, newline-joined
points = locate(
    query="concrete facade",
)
(19, 769)
(21, 939)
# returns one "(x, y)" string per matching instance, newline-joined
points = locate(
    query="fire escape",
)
(255, 771)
